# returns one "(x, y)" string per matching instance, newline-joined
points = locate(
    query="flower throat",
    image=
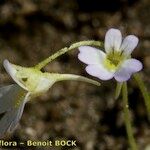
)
(113, 60)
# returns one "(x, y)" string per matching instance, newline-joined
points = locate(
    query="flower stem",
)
(127, 117)
(118, 89)
(144, 92)
(66, 49)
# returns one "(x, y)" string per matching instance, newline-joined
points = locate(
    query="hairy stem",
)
(66, 49)
(144, 92)
(127, 117)
(118, 90)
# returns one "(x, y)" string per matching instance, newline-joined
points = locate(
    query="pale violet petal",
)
(113, 40)
(129, 67)
(129, 44)
(19, 112)
(99, 71)
(7, 100)
(132, 65)
(12, 104)
(12, 72)
(91, 55)
(122, 75)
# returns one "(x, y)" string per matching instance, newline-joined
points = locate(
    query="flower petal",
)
(129, 44)
(122, 75)
(133, 65)
(99, 71)
(12, 72)
(12, 103)
(113, 39)
(19, 112)
(129, 67)
(91, 55)
(8, 96)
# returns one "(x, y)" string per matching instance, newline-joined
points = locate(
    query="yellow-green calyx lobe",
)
(18, 99)
(113, 60)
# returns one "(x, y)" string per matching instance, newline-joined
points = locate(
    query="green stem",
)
(144, 92)
(66, 49)
(118, 89)
(127, 117)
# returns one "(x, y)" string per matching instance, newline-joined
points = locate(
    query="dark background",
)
(31, 30)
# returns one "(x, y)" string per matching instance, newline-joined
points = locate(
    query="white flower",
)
(31, 82)
(36, 82)
(116, 62)
(30, 79)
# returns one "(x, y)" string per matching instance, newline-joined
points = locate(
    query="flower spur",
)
(31, 82)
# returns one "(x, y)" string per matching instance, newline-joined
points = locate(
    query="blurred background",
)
(31, 30)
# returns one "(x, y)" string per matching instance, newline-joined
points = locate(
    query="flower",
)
(31, 82)
(36, 82)
(116, 62)
(30, 79)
